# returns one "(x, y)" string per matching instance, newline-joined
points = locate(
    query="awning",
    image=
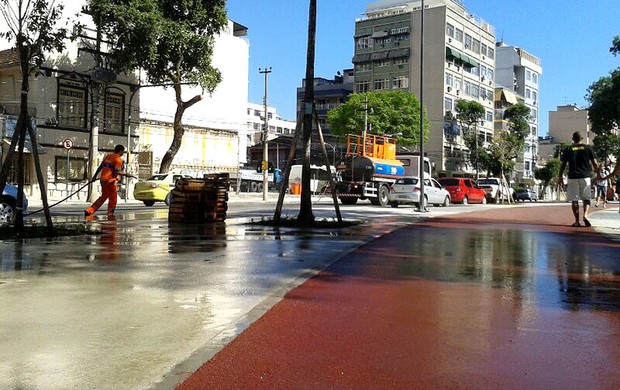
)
(509, 96)
(452, 53)
(27, 146)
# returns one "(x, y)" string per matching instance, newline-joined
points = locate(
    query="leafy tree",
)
(548, 173)
(391, 113)
(604, 110)
(32, 24)
(172, 40)
(469, 114)
(509, 143)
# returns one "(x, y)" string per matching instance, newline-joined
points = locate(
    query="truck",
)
(371, 166)
(250, 179)
(497, 189)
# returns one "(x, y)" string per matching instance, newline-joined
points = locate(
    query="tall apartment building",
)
(520, 71)
(458, 63)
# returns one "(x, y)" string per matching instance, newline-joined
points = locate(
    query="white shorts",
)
(579, 189)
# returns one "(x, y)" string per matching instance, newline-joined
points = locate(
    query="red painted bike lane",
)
(511, 297)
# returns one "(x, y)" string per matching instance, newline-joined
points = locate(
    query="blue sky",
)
(571, 37)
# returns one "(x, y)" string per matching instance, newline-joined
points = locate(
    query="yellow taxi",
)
(156, 188)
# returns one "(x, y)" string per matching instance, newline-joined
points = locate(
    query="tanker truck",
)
(370, 166)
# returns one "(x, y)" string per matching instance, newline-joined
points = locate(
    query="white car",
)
(406, 190)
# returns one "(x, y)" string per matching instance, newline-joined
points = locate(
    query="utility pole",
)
(265, 162)
(94, 130)
(421, 164)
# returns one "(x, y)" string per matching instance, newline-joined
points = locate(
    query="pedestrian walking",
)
(581, 162)
(616, 173)
(601, 187)
(110, 171)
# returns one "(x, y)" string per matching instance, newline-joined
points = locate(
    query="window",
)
(528, 93)
(458, 35)
(475, 46)
(449, 79)
(71, 104)
(490, 74)
(401, 82)
(363, 67)
(362, 86)
(534, 78)
(450, 30)
(448, 104)
(534, 114)
(384, 63)
(401, 61)
(475, 91)
(483, 49)
(467, 90)
(491, 52)
(489, 116)
(528, 75)
(534, 96)
(468, 41)
(12, 177)
(114, 118)
(381, 84)
(76, 171)
(364, 43)
(382, 41)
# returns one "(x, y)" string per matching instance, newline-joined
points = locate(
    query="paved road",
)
(147, 303)
(504, 298)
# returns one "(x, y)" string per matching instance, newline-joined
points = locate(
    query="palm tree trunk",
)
(306, 217)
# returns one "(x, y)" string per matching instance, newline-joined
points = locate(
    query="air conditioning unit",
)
(458, 91)
(449, 89)
(449, 40)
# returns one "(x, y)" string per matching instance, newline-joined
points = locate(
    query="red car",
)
(463, 190)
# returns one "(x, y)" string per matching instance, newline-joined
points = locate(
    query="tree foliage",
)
(469, 114)
(509, 143)
(172, 40)
(33, 26)
(391, 113)
(604, 110)
(549, 173)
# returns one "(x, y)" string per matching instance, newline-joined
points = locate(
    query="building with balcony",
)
(458, 63)
(520, 71)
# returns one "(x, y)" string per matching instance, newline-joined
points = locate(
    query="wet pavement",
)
(146, 303)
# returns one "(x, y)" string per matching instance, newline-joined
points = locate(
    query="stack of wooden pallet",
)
(200, 200)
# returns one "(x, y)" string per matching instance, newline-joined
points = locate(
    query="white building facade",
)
(216, 129)
(520, 71)
(459, 63)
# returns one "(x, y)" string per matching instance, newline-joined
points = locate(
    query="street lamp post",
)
(265, 163)
(421, 164)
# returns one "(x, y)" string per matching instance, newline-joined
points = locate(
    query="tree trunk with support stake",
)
(306, 217)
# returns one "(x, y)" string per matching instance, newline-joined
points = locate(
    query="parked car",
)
(524, 194)
(463, 190)
(406, 190)
(156, 188)
(8, 205)
(495, 190)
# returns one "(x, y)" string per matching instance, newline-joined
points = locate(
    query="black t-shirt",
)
(579, 158)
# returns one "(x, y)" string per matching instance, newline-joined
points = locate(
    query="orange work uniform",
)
(110, 168)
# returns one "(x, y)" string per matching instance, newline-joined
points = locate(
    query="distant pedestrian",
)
(601, 187)
(110, 170)
(616, 173)
(581, 162)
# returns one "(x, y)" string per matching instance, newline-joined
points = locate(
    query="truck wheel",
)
(383, 196)
(253, 186)
(149, 203)
(348, 200)
(394, 204)
(259, 187)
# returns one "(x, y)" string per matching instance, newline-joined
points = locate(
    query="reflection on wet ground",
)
(546, 268)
